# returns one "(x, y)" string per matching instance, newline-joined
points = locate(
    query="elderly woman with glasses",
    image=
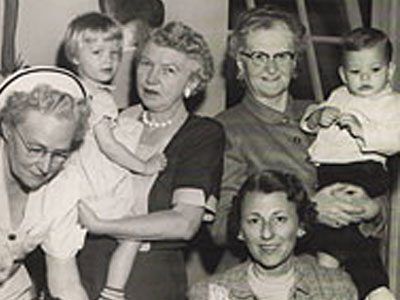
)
(263, 130)
(43, 119)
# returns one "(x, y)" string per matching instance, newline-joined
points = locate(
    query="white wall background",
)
(42, 24)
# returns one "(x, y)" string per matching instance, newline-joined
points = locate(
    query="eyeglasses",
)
(259, 58)
(39, 152)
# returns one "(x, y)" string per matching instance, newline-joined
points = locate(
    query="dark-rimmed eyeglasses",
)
(39, 152)
(260, 58)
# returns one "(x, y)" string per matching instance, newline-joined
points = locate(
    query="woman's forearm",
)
(175, 224)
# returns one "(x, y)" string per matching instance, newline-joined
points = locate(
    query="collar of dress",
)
(239, 287)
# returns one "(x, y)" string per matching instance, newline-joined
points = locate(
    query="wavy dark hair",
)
(367, 38)
(267, 182)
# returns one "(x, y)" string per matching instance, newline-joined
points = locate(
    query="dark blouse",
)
(195, 160)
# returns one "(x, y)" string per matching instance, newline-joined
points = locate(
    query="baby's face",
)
(99, 57)
(366, 72)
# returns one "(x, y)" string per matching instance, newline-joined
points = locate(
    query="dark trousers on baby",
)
(357, 253)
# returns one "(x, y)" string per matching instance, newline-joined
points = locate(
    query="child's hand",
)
(329, 115)
(352, 124)
(89, 219)
(155, 164)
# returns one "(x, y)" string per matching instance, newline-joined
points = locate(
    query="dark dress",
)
(195, 158)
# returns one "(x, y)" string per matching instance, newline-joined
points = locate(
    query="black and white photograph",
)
(199, 150)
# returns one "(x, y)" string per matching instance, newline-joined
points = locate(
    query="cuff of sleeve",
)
(65, 247)
(374, 228)
(303, 122)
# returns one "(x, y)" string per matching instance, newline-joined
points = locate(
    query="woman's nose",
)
(271, 66)
(267, 231)
(44, 163)
(153, 75)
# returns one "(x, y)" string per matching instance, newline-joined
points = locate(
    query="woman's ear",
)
(240, 69)
(191, 86)
(392, 70)
(240, 236)
(5, 131)
(75, 61)
(342, 74)
(300, 232)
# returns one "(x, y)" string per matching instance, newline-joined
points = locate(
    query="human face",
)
(366, 72)
(38, 131)
(98, 58)
(271, 79)
(269, 227)
(162, 75)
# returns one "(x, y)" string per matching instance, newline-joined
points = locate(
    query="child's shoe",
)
(381, 293)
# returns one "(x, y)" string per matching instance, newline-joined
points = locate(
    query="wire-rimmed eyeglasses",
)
(39, 152)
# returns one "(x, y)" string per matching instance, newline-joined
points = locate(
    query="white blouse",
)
(50, 220)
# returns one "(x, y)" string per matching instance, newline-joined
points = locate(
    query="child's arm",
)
(119, 269)
(121, 155)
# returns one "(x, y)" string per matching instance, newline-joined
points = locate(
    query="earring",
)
(239, 75)
(301, 232)
(187, 92)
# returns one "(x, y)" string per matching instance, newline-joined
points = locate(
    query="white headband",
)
(26, 80)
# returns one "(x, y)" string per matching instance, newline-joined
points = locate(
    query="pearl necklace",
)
(154, 124)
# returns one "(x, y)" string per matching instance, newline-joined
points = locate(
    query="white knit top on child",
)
(111, 191)
(379, 116)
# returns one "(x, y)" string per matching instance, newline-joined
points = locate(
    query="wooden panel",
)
(311, 55)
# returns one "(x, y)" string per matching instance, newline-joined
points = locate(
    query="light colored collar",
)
(97, 85)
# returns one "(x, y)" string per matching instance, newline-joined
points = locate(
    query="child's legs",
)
(121, 263)
(359, 255)
(366, 268)
(337, 242)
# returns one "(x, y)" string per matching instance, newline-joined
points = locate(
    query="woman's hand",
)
(89, 219)
(339, 205)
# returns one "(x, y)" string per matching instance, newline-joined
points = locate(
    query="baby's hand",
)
(352, 124)
(329, 115)
(155, 164)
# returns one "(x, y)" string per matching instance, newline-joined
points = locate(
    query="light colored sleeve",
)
(65, 236)
(381, 137)
(336, 99)
(102, 105)
(304, 125)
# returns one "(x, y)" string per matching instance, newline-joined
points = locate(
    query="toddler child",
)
(93, 44)
(358, 127)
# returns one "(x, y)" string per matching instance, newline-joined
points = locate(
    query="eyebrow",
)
(171, 65)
